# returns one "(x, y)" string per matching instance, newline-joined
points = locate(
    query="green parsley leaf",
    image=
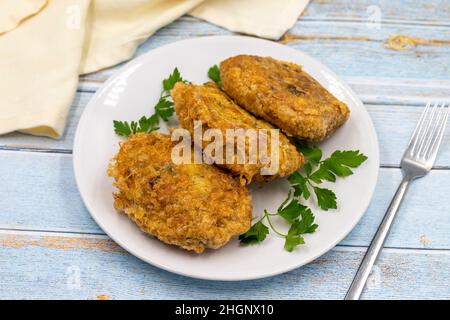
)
(122, 128)
(325, 198)
(257, 233)
(299, 184)
(299, 227)
(292, 241)
(169, 83)
(338, 164)
(312, 153)
(292, 210)
(148, 124)
(296, 178)
(299, 216)
(305, 225)
(125, 129)
(323, 173)
(283, 204)
(164, 109)
(308, 168)
(350, 158)
(336, 168)
(214, 75)
(134, 126)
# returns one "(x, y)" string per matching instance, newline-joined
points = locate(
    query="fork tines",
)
(428, 133)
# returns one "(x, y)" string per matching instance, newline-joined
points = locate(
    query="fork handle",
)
(357, 286)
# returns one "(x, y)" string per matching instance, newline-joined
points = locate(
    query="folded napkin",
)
(46, 44)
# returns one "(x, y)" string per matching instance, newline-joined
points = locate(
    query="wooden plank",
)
(423, 219)
(349, 48)
(39, 193)
(434, 12)
(56, 267)
(385, 117)
(394, 126)
(406, 92)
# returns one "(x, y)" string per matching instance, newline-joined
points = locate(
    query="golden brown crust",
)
(284, 95)
(194, 206)
(216, 110)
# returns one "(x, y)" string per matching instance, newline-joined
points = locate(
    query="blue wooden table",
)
(394, 54)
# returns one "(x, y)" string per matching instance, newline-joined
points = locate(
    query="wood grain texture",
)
(47, 237)
(89, 268)
(47, 199)
(41, 195)
(350, 48)
(434, 12)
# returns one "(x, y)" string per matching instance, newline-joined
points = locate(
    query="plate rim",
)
(136, 60)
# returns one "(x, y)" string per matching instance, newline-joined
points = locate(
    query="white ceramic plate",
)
(133, 91)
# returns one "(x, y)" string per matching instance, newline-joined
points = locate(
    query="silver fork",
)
(417, 161)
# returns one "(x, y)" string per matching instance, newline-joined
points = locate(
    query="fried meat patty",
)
(284, 95)
(194, 206)
(216, 110)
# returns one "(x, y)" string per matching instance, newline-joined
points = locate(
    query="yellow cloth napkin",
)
(12, 12)
(263, 18)
(46, 44)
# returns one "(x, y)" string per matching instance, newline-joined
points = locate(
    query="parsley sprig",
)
(316, 171)
(144, 124)
(163, 110)
(300, 217)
